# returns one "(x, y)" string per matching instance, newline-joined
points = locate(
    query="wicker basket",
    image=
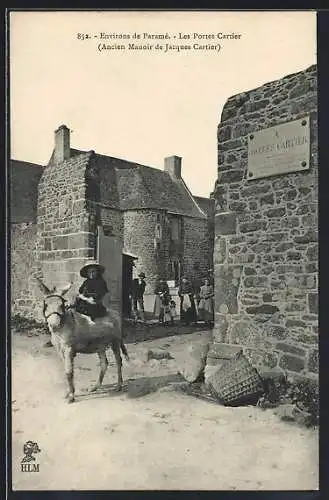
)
(237, 382)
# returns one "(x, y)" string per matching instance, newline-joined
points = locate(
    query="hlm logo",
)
(30, 448)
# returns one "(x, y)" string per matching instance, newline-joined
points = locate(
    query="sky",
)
(144, 105)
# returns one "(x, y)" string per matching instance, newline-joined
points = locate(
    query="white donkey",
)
(72, 333)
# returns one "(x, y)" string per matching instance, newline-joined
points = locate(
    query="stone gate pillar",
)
(266, 224)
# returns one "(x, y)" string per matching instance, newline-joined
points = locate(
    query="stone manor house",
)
(87, 205)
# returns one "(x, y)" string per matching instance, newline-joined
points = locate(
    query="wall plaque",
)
(279, 150)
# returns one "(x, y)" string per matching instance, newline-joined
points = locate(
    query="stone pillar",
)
(266, 234)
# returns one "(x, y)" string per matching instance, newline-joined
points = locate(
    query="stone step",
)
(220, 350)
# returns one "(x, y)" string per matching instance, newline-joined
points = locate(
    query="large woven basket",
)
(237, 382)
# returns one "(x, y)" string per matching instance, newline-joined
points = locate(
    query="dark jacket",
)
(97, 289)
(185, 288)
(137, 289)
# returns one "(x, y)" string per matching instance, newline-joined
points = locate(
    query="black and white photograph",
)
(163, 215)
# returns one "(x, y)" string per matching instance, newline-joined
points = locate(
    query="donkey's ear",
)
(64, 290)
(44, 289)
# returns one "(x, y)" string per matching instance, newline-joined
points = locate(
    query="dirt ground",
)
(162, 441)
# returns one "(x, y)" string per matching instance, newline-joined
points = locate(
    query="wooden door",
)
(109, 254)
(127, 277)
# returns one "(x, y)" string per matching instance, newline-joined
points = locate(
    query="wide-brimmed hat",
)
(142, 275)
(89, 265)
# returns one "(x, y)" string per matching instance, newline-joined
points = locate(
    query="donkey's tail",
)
(124, 350)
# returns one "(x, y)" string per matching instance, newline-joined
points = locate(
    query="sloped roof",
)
(24, 178)
(126, 185)
(206, 204)
(123, 185)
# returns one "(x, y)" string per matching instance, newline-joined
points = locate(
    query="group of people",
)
(196, 303)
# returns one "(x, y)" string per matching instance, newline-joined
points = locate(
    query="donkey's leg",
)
(68, 357)
(103, 367)
(116, 351)
(124, 350)
(60, 351)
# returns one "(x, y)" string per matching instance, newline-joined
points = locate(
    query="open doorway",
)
(175, 270)
(127, 277)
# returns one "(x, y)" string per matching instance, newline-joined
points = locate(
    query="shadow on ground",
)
(133, 387)
(151, 330)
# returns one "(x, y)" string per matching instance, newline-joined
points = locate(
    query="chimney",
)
(62, 144)
(173, 165)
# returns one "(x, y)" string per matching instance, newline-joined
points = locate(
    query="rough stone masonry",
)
(266, 234)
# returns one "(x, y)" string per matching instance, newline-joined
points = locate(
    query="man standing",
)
(137, 297)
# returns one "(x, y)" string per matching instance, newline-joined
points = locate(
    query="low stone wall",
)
(23, 239)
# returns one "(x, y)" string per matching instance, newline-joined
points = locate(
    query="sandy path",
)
(160, 441)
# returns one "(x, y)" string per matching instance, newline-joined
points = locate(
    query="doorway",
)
(127, 277)
(175, 270)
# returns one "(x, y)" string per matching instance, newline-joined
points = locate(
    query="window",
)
(158, 229)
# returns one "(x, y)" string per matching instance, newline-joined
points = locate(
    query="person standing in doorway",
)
(137, 297)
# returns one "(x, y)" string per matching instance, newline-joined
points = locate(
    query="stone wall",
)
(112, 220)
(23, 240)
(208, 207)
(197, 243)
(65, 238)
(266, 234)
(139, 234)
(154, 256)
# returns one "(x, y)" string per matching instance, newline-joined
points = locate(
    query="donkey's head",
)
(53, 304)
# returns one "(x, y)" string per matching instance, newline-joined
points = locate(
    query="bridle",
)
(47, 316)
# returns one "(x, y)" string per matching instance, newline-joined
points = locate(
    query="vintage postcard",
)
(163, 206)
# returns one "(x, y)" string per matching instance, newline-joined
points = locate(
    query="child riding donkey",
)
(86, 327)
(92, 291)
